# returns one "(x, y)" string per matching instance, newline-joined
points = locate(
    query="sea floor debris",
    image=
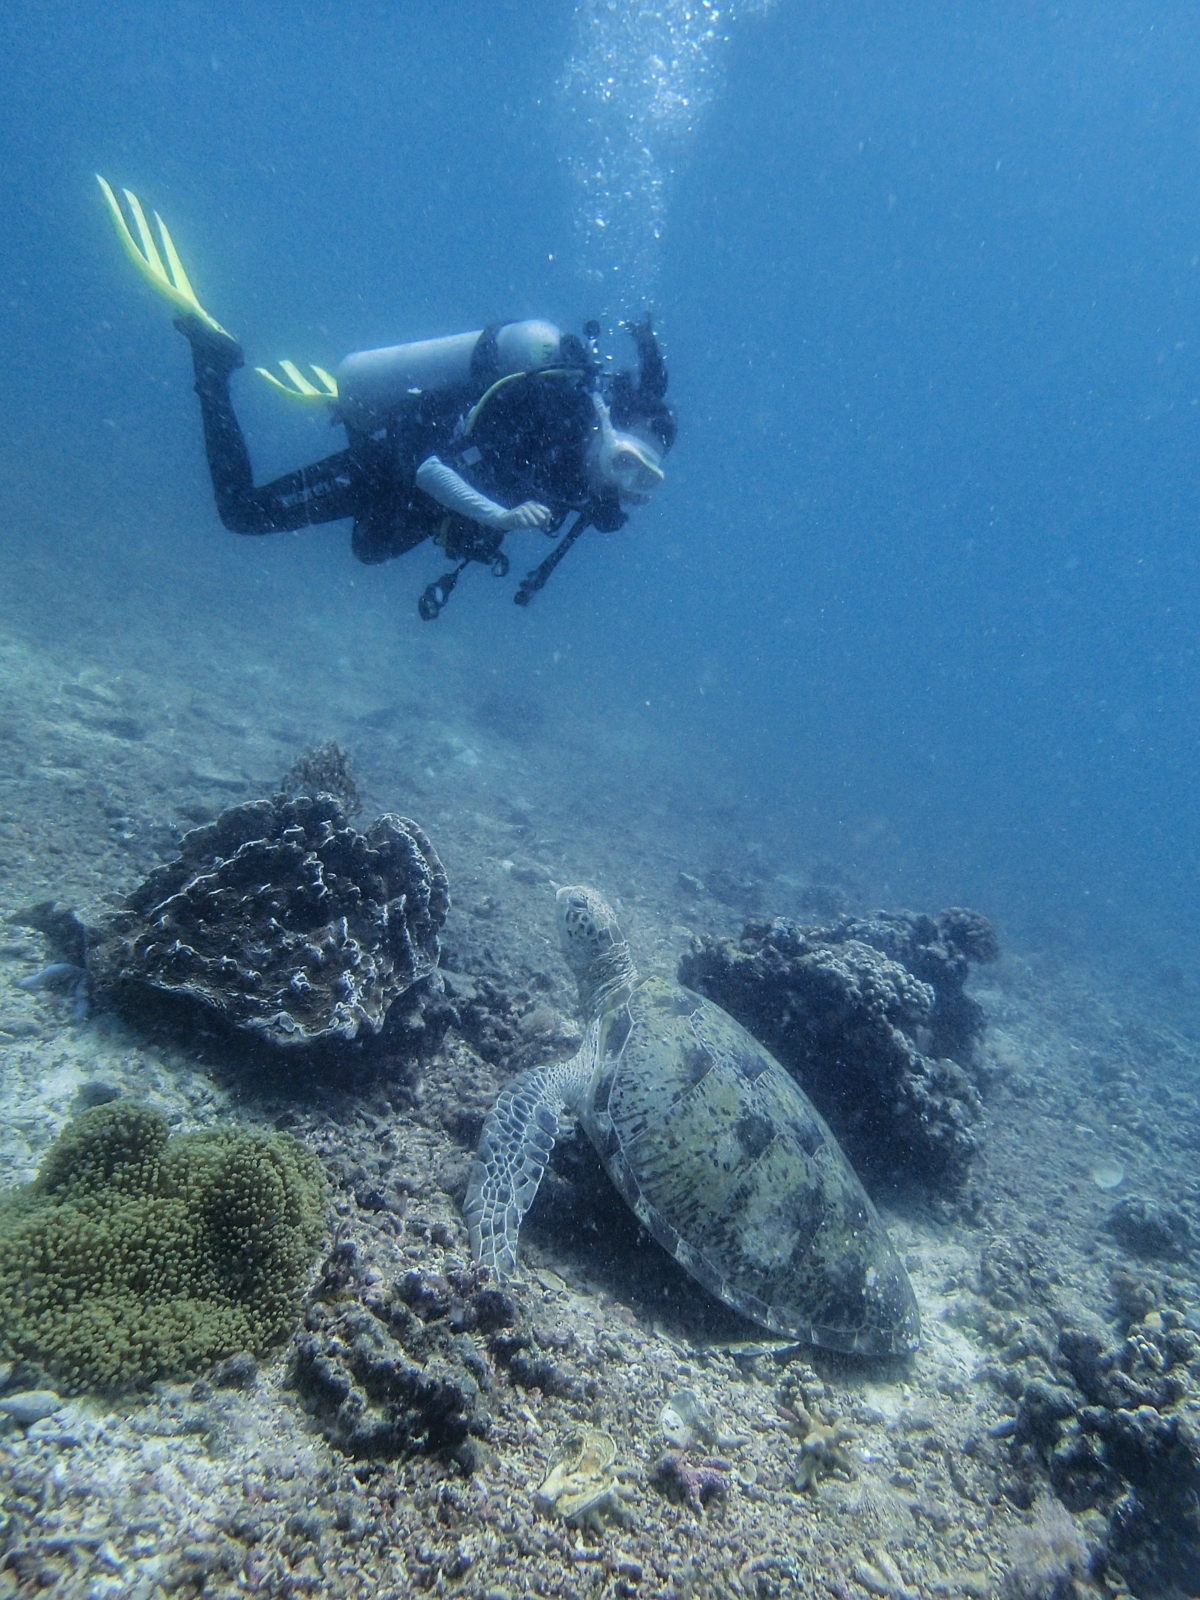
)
(584, 1485)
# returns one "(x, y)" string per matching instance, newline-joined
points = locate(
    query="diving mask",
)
(623, 461)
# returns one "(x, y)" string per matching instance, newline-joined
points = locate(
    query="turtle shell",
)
(728, 1164)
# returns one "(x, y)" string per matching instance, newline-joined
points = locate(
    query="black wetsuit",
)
(529, 442)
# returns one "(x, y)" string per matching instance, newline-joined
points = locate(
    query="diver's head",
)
(527, 346)
(622, 461)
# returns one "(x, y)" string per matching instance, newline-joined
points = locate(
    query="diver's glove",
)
(167, 279)
(641, 405)
(443, 484)
(652, 369)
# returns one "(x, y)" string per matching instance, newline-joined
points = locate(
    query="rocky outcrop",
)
(282, 920)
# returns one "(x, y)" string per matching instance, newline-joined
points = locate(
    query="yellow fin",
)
(170, 281)
(299, 388)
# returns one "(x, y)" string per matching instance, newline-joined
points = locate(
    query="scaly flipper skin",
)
(167, 279)
(514, 1148)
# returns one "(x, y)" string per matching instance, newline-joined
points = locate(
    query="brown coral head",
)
(282, 920)
(970, 933)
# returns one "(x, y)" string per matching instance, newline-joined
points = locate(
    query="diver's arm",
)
(652, 369)
(443, 484)
(641, 404)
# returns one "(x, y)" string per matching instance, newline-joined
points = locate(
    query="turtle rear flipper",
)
(515, 1145)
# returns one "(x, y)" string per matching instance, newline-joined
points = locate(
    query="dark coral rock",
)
(1119, 1432)
(867, 1015)
(282, 920)
(514, 1350)
(1148, 1228)
(466, 1300)
(324, 769)
(1044, 1406)
(371, 1400)
(236, 1372)
(1154, 1529)
(940, 951)
(485, 1015)
(1079, 1471)
(1144, 1369)
(1010, 1271)
(1133, 1293)
(403, 1377)
(968, 933)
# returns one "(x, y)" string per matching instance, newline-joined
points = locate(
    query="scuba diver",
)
(458, 440)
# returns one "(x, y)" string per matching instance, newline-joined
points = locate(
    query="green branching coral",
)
(135, 1255)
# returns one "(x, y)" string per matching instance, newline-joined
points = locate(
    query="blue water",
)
(920, 594)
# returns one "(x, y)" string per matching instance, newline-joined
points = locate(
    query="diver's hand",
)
(531, 514)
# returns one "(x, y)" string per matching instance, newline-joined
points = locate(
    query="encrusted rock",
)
(399, 1376)
(30, 1405)
(284, 921)
(1149, 1229)
(869, 1015)
(1117, 1429)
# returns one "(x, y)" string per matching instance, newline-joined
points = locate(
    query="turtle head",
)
(594, 946)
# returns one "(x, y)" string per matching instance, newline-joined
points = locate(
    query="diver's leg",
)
(325, 492)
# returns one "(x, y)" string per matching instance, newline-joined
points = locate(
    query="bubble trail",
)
(636, 87)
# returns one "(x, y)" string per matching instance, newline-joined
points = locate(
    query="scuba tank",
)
(372, 384)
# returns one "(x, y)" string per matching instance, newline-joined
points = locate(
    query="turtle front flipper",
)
(514, 1148)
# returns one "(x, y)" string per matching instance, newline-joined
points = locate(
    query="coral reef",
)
(1118, 1428)
(282, 920)
(396, 1373)
(871, 1017)
(324, 769)
(1149, 1228)
(134, 1255)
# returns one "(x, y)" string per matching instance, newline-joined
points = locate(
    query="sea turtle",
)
(717, 1150)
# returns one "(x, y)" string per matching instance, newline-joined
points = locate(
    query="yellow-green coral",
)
(135, 1255)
